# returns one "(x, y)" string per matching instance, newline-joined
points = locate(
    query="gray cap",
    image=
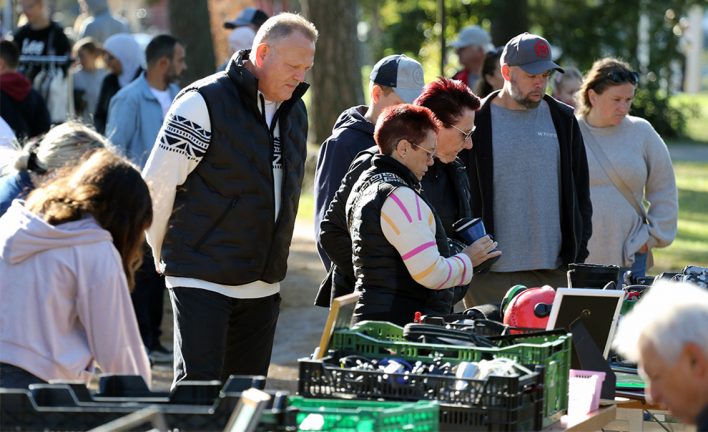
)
(248, 16)
(401, 73)
(530, 52)
(473, 35)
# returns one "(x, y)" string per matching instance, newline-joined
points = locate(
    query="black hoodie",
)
(351, 134)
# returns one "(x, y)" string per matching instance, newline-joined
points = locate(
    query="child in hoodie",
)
(68, 256)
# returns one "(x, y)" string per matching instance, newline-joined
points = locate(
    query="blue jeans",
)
(639, 268)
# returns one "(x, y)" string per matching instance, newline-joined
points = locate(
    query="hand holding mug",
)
(472, 232)
(481, 250)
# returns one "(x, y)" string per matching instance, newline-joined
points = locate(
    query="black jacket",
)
(336, 241)
(388, 291)
(22, 107)
(575, 206)
(223, 227)
(351, 134)
(447, 188)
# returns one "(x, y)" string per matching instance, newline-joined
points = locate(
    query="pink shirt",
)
(64, 300)
(409, 225)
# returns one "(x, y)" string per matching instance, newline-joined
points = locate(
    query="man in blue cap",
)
(529, 176)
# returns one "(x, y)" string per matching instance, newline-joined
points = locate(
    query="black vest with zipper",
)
(223, 227)
(388, 292)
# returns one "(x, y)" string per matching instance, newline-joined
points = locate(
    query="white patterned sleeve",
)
(180, 145)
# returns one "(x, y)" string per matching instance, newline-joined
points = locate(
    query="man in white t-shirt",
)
(135, 116)
(137, 111)
(225, 177)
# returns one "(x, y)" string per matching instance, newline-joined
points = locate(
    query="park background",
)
(666, 41)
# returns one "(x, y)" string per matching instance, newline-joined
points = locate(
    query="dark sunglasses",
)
(621, 76)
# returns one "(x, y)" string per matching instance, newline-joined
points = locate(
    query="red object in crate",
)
(530, 308)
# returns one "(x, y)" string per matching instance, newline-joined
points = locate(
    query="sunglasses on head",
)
(621, 76)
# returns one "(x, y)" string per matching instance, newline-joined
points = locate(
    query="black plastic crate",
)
(196, 405)
(494, 404)
(19, 411)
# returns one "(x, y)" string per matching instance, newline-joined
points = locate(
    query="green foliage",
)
(412, 27)
(611, 28)
(583, 30)
(697, 107)
(652, 104)
(689, 248)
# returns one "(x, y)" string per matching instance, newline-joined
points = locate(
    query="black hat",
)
(248, 16)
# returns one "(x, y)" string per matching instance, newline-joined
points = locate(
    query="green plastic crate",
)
(378, 339)
(336, 415)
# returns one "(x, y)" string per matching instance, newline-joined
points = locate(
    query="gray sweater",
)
(642, 160)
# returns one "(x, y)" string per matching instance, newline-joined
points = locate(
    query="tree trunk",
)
(511, 19)
(336, 76)
(189, 22)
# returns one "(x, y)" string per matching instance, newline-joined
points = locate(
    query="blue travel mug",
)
(469, 231)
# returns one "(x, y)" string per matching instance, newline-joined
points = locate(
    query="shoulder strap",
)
(612, 174)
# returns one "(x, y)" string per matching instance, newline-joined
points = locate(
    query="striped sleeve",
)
(408, 224)
(180, 145)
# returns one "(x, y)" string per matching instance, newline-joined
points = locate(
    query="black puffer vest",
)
(388, 292)
(223, 226)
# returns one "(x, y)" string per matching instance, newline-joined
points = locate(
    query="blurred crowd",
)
(117, 184)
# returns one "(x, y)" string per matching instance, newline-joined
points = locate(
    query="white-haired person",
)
(666, 333)
(63, 145)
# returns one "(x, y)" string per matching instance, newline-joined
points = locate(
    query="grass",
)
(695, 124)
(306, 209)
(691, 244)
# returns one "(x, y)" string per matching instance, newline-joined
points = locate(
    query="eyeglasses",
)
(431, 153)
(621, 76)
(465, 135)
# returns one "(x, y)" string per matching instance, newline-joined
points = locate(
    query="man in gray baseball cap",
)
(248, 17)
(471, 45)
(529, 176)
(403, 74)
(394, 79)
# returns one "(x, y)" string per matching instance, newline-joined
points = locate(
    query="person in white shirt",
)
(226, 175)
